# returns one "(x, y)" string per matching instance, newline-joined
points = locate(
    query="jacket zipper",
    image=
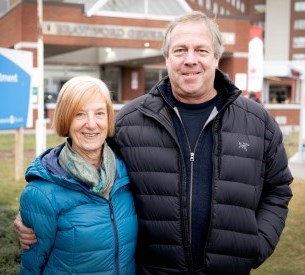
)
(215, 122)
(228, 102)
(116, 242)
(192, 159)
(184, 232)
(211, 117)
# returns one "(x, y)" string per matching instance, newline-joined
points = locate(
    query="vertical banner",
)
(256, 61)
(297, 161)
(302, 122)
(15, 88)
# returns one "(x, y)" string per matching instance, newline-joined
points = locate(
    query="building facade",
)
(119, 41)
(283, 33)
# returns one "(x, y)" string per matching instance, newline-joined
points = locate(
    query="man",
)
(208, 167)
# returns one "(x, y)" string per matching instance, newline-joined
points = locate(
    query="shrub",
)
(9, 244)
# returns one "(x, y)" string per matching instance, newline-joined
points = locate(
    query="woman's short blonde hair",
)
(74, 94)
(195, 16)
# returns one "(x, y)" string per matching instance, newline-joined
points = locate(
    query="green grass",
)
(10, 190)
(288, 258)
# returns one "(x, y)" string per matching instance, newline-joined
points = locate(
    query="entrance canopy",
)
(144, 9)
(159, 10)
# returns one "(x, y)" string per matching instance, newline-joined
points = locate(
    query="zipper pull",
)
(192, 157)
(111, 210)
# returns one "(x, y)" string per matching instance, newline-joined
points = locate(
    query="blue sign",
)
(15, 88)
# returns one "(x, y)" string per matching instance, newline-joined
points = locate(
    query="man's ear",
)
(217, 62)
(166, 59)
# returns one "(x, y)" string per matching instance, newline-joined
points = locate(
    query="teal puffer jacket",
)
(78, 232)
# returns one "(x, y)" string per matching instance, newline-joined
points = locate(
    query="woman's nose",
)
(91, 122)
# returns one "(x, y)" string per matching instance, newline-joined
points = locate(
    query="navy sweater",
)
(198, 187)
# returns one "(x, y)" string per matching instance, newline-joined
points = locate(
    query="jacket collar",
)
(222, 84)
(155, 102)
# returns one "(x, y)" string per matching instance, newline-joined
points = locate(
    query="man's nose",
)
(191, 57)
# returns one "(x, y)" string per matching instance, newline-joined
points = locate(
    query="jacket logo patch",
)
(243, 145)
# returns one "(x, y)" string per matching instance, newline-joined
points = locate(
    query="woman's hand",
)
(26, 235)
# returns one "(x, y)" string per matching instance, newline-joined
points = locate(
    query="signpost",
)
(15, 97)
(15, 89)
(40, 122)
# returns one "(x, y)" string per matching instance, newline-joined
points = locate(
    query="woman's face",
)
(89, 128)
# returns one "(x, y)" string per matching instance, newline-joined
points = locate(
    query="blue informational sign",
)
(15, 89)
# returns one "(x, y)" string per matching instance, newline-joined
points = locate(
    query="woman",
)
(78, 200)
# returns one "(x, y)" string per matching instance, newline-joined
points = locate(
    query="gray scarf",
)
(100, 180)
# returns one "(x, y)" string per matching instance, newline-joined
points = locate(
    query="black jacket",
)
(250, 186)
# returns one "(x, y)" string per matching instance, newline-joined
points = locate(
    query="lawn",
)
(288, 258)
(9, 197)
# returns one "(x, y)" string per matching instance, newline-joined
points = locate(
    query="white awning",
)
(145, 9)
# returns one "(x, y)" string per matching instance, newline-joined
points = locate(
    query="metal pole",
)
(40, 122)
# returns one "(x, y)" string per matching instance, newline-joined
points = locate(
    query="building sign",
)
(15, 89)
(228, 38)
(101, 31)
(112, 31)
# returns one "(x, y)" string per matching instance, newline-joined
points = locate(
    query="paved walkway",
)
(297, 170)
(297, 165)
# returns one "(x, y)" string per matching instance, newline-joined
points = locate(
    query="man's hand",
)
(26, 235)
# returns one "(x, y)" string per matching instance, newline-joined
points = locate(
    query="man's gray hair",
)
(195, 16)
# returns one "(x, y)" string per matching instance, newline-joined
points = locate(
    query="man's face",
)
(191, 62)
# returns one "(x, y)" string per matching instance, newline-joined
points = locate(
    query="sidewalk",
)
(297, 170)
(297, 165)
(26, 131)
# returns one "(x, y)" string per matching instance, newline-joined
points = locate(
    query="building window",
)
(298, 56)
(200, 2)
(222, 10)
(242, 7)
(208, 4)
(112, 77)
(279, 94)
(215, 8)
(6, 6)
(299, 24)
(299, 6)
(52, 87)
(238, 4)
(152, 76)
(299, 42)
(260, 8)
